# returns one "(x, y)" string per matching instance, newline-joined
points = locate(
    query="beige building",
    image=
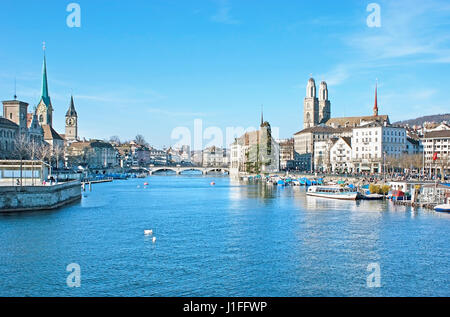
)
(93, 153)
(255, 152)
(287, 154)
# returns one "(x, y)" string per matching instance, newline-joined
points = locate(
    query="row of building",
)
(344, 144)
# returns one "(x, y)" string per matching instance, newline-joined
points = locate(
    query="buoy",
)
(148, 232)
(154, 239)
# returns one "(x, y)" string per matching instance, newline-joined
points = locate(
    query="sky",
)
(150, 67)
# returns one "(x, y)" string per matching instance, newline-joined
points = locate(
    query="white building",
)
(436, 146)
(214, 157)
(373, 141)
(341, 155)
(321, 156)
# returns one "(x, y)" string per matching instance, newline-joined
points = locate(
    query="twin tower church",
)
(41, 120)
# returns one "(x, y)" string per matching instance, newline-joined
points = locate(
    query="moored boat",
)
(442, 208)
(341, 193)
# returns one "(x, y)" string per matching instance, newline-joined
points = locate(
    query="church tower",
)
(310, 106)
(44, 110)
(324, 103)
(71, 122)
(375, 107)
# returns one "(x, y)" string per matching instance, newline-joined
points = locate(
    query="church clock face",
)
(70, 121)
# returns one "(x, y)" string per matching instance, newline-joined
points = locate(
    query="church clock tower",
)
(71, 122)
(44, 110)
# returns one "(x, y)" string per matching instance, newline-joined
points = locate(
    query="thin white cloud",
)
(223, 13)
(168, 113)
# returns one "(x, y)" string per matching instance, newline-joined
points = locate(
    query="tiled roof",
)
(353, 121)
(50, 133)
(437, 134)
(8, 123)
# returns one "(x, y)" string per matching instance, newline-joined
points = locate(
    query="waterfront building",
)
(158, 157)
(374, 141)
(413, 146)
(322, 156)
(255, 152)
(304, 140)
(436, 147)
(341, 155)
(17, 121)
(92, 154)
(142, 155)
(287, 154)
(8, 132)
(214, 157)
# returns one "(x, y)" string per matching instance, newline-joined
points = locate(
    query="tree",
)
(140, 140)
(57, 153)
(44, 152)
(21, 151)
(115, 140)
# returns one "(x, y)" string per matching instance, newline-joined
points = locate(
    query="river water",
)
(231, 239)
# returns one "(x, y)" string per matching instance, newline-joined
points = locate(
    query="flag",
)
(435, 157)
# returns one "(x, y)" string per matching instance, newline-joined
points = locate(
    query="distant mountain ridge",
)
(420, 121)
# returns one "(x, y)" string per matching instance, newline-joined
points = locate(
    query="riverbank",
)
(33, 198)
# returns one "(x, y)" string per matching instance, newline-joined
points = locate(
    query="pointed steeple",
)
(262, 115)
(71, 112)
(44, 93)
(375, 107)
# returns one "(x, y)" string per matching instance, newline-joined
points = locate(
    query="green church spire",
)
(44, 95)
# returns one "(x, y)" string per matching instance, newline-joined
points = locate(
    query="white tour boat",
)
(334, 192)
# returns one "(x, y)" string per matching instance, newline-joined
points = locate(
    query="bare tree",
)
(33, 152)
(44, 152)
(57, 153)
(115, 140)
(21, 151)
(140, 140)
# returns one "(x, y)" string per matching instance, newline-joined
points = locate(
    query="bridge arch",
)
(163, 169)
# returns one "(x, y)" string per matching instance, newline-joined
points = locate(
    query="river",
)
(231, 239)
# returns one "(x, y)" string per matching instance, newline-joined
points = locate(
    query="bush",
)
(385, 189)
(374, 189)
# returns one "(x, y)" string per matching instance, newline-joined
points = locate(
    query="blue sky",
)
(150, 66)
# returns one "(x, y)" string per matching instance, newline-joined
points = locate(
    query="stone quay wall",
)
(30, 198)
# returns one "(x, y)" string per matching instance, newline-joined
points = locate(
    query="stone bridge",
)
(180, 169)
